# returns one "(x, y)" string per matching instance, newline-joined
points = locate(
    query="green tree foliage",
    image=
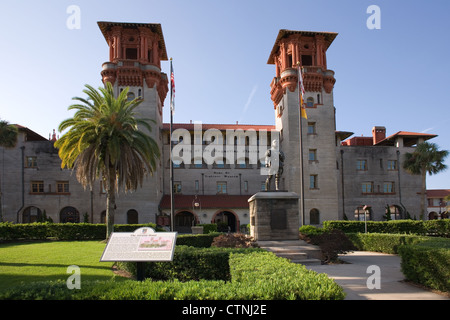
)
(105, 140)
(426, 158)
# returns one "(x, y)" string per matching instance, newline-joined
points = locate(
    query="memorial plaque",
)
(144, 244)
(278, 219)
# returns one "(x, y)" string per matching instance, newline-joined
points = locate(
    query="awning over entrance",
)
(206, 201)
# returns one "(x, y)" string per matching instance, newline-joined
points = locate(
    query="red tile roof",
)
(206, 201)
(409, 138)
(206, 126)
(438, 193)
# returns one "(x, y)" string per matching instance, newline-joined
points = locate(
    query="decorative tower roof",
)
(135, 54)
(306, 49)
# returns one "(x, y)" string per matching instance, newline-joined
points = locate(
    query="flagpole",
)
(302, 178)
(171, 146)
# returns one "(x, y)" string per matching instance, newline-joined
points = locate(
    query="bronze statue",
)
(274, 163)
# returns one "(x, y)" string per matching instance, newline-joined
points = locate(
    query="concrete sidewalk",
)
(353, 275)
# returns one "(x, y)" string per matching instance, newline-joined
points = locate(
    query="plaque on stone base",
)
(274, 215)
(144, 244)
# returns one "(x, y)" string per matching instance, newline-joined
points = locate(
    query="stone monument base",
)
(274, 215)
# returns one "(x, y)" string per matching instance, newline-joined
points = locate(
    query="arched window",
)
(31, 214)
(132, 217)
(432, 215)
(360, 211)
(130, 96)
(394, 211)
(314, 216)
(310, 102)
(69, 214)
(103, 216)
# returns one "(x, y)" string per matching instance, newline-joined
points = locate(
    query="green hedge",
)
(381, 242)
(197, 240)
(254, 275)
(427, 263)
(439, 228)
(208, 227)
(189, 263)
(61, 231)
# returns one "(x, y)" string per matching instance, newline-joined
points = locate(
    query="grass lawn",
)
(23, 262)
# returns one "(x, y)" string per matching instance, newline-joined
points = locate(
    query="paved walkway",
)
(353, 277)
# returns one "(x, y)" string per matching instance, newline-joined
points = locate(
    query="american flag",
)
(172, 88)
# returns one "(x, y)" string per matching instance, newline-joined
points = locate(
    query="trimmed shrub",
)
(188, 263)
(29, 231)
(234, 240)
(308, 230)
(382, 242)
(431, 227)
(427, 263)
(266, 276)
(254, 275)
(332, 243)
(76, 231)
(197, 240)
(62, 231)
(209, 228)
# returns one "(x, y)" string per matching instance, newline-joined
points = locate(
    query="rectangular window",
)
(361, 165)
(221, 187)
(312, 155)
(367, 187)
(31, 162)
(311, 128)
(392, 165)
(37, 186)
(388, 187)
(197, 185)
(177, 187)
(313, 181)
(131, 53)
(307, 60)
(62, 187)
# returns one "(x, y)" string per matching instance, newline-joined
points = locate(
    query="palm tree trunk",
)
(110, 203)
(424, 193)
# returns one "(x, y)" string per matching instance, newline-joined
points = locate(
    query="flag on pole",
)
(301, 93)
(172, 88)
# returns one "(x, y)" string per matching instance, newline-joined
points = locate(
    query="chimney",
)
(378, 134)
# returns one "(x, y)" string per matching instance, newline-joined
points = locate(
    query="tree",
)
(105, 140)
(426, 158)
(8, 139)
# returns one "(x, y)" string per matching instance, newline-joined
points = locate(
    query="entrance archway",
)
(183, 221)
(226, 221)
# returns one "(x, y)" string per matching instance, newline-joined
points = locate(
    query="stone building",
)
(218, 167)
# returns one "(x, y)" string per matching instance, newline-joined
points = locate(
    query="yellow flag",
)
(301, 93)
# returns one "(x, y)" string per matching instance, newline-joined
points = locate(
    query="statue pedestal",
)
(274, 215)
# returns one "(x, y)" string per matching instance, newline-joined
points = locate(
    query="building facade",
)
(438, 203)
(218, 167)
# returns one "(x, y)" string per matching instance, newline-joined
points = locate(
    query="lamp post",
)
(366, 209)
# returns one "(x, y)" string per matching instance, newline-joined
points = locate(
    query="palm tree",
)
(8, 139)
(106, 141)
(426, 158)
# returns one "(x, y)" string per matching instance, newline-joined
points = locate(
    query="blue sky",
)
(395, 77)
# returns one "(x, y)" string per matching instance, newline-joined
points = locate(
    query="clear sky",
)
(396, 76)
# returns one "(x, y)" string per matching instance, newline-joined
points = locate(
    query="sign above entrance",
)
(144, 244)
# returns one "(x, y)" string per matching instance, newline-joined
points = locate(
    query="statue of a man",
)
(274, 163)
